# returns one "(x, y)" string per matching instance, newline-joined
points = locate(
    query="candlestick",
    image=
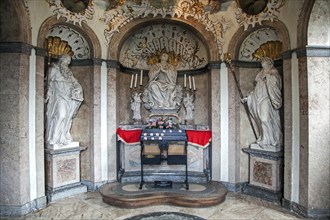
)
(185, 81)
(189, 82)
(193, 79)
(136, 77)
(141, 76)
(132, 78)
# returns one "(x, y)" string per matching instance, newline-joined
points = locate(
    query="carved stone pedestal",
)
(266, 174)
(63, 173)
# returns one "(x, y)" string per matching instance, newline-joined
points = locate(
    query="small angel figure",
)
(136, 106)
(188, 103)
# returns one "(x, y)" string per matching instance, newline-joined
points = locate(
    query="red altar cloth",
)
(129, 136)
(196, 138)
(199, 138)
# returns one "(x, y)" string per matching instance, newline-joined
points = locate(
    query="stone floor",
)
(90, 206)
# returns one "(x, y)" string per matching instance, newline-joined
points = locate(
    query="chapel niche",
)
(187, 53)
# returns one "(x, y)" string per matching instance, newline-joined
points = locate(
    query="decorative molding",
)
(74, 39)
(286, 55)
(82, 62)
(18, 211)
(270, 13)
(93, 186)
(246, 64)
(313, 51)
(15, 47)
(303, 211)
(264, 154)
(215, 65)
(234, 187)
(113, 64)
(59, 9)
(265, 194)
(98, 61)
(185, 9)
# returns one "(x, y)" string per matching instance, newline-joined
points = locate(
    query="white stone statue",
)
(162, 91)
(188, 103)
(64, 97)
(264, 103)
(136, 106)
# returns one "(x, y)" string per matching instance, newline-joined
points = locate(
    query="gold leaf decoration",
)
(270, 49)
(57, 47)
(173, 58)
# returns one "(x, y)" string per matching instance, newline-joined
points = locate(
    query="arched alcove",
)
(85, 31)
(19, 27)
(197, 29)
(206, 41)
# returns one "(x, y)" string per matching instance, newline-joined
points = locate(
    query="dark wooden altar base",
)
(127, 195)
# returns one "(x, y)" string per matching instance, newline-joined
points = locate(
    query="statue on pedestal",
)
(162, 93)
(264, 103)
(136, 107)
(64, 97)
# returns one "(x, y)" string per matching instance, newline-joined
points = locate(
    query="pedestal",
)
(266, 174)
(63, 173)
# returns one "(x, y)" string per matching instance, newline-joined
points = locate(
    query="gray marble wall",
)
(81, 124)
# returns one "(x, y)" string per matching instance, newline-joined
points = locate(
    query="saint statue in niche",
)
(162, 92)
(264, 103)
(64, 97)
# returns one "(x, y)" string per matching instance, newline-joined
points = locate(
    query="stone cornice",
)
(113, 64)
(15, 47)
(214, 65)
(82, 62)
(313, 51)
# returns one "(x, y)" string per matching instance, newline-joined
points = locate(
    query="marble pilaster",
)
(18, 195)
(287, 98)
(112, 123)
(215, 123)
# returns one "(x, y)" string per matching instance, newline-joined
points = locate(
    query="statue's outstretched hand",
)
(244, 100)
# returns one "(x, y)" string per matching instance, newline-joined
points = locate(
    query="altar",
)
(196, 168)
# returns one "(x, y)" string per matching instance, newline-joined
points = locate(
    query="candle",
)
(189, 82)
(185, 81)
(193, 79)
(132, 78)
(141, 77)
(136, 77)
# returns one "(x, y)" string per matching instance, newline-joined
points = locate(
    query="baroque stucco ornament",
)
(270, 13)
(76, 17)
(263, 40)
(144, 47)
(74, 39)
(186, 9)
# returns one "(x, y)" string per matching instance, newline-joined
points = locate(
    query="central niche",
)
(164, 75)
(144, 47)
